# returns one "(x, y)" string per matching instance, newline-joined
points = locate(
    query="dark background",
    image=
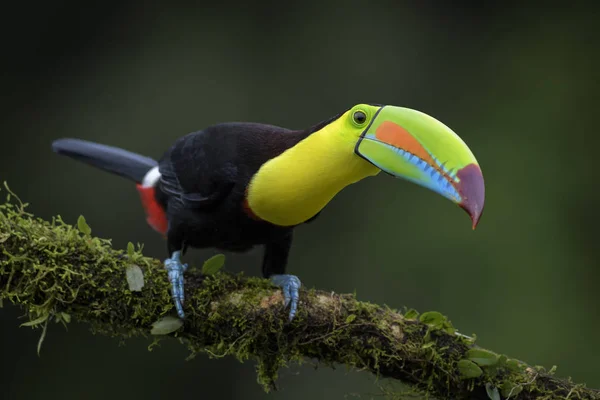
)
(516, 83)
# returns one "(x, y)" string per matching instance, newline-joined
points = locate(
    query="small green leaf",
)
(433, 319)
(427, 345)
(468, 369)
(213, 264)
(166, 325)
(482, 357)
(66, 317)
(411, 314)
(350, 318)
(502, 360)
(36, 321)
(449, 329)
(510, 389)
(492, 391)
(513, 365)
(130, 249)
(135, 278)
(83, 226)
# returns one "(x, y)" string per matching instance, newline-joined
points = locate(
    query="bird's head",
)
(409, 144)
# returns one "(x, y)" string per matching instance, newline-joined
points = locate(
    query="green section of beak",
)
(412, 145)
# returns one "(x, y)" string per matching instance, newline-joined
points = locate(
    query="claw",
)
(175, 270)
(290, 285)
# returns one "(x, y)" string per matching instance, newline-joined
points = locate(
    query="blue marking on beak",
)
(438, 182)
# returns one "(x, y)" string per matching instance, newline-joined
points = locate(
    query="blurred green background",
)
(516, 84)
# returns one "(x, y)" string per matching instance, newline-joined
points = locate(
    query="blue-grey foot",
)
(289, 284)
(176, 270)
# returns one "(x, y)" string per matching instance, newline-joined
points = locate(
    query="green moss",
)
(58, 272)
(51, 267)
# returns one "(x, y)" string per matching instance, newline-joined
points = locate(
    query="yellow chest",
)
(293, 187)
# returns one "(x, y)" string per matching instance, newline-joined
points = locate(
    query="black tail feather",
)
(111, 159)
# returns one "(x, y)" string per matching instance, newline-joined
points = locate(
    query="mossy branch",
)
(57, 271)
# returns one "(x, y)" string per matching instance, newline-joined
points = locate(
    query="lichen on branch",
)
(56, 271)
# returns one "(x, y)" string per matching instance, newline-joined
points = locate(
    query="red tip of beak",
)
(472, 190)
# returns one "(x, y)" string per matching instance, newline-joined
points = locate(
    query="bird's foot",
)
(176, 270)
(289, 284)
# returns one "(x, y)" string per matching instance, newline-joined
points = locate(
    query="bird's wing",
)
(192, 174)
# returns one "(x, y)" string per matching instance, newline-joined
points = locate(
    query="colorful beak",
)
(412, 145)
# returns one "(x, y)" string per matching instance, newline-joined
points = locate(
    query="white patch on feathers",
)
(151, 178)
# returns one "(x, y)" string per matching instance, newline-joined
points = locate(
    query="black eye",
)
(360, 117)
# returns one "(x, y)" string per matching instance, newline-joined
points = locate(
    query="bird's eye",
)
(360, 117)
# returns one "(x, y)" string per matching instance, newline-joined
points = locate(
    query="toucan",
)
(233, 186)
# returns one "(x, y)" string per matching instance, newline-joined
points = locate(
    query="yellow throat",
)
(294, 186)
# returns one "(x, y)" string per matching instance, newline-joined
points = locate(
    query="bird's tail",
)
(141, 169)
(111, 159)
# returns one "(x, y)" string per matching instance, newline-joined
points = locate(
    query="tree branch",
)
(56, 271)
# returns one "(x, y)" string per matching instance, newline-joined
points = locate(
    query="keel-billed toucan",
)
(233, 186)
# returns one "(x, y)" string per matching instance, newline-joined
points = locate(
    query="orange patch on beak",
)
(395, 135)
(400, 138)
